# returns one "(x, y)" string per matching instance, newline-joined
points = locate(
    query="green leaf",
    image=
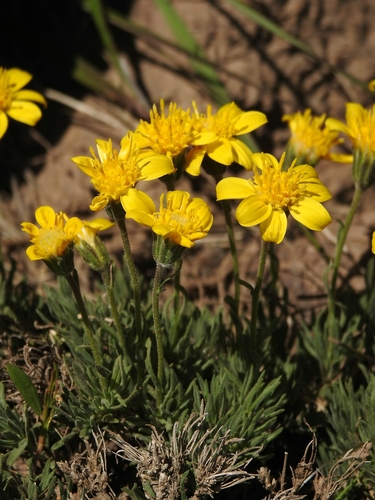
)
(26, 387)
(17, 452)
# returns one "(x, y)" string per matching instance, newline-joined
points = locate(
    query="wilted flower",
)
(310, 140)
(180, 219)
(113, 173)
(216, 136)
(16, 103)
(272, 193)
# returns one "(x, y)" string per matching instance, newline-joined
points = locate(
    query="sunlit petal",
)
(249, 121)
(30, 95)
(193, 160)
(24, 112)
(232, 188)
(18, 78)
(220, 151)
(251, 211)
(241, 154)
(138, 200)
(45, 217)
(311, 214)
(273, 229)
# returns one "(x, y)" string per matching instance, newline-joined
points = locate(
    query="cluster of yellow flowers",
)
(181, 140)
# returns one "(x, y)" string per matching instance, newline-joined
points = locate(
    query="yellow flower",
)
(14, 102)
(360, 127)
(113, 173)
(216, 136)
(53, 237)
(180, 219)
(310, 141)
(373, 243)
(272, 193)
(168, 135)
(371, 85)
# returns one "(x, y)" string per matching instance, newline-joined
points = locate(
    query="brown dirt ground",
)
(260, 72)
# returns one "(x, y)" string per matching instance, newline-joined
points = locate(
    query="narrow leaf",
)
(26, 387)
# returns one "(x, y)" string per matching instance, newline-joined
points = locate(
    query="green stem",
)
(87, 325)
(256, 293)
(233, 249)
(108, 283)
(358, 191)
(157, 326)
(176, 302)
(133, 275)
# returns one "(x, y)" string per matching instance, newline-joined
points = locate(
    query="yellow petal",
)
(317, 191)
(86, 164)
(104, 149)
(249, 121)
(193, 160)
(100, 224)
(24, 112)
(311, 214)
(334, 124)
(30, 228)
(141, 217)
(260, 158)
(373, 238)
(29, 95)
(231, 109)
(35, 252)
(340, 158)
(18, 78)
(273, 229)
(220, 151)
(157, 166)
(98, 203)
(3, 123)
(45, 217)
(252, 211)
(233, 188)
(163, 230)
(138, 200)
(204, 137)
(241, 154)
(73, 227)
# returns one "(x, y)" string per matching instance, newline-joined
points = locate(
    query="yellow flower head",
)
(113, 173)
(310, 141)
(180, 219)
(272, 193)
(373, 243)
(371, 85)
(14, 102)
(216, 136)
(360, 127)
(53, 237)
(168, 135)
